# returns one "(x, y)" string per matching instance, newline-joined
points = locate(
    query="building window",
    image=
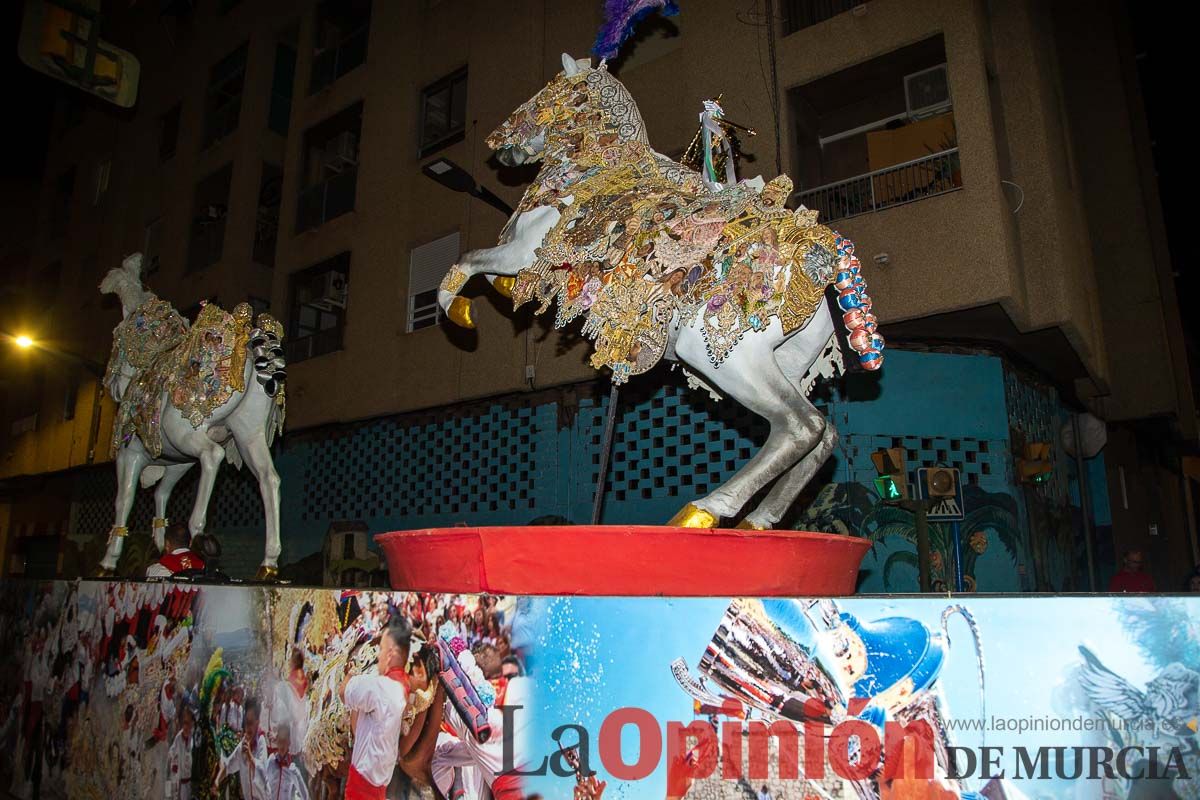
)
(100, 180)
(266, 227)
(60, 209)
(208, 219)
(223, 102)
(258, 305)
(318, 308)
(70, 112)
(152, 247)
(46, 284)
(340, 42)
(878, 134)
(168, 133)
(427, 265)
(443, 112)
(89, 274)
(799, 14)
(70, 398)
(279, 108)
(330, 177)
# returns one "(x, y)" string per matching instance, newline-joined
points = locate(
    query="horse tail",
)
(855, 303)
(965, 613)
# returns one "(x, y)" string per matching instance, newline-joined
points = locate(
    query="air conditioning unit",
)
(342, 152)
(927, 92)
(334, 293)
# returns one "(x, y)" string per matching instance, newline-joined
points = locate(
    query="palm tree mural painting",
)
(853, 509)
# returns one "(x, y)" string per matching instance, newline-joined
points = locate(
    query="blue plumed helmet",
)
(897, 648)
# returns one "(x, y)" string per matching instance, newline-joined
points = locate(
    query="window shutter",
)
(428, 264)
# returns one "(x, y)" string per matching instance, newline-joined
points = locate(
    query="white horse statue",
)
(202, 393)
(667, 264)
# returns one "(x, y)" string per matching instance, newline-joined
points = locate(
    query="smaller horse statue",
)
(664, 263)
(204, 392)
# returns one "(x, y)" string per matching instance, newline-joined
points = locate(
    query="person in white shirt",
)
(179, 758)
(284, 781)
(232, 713)
(249, 759)
(376, 704)
(465, 751)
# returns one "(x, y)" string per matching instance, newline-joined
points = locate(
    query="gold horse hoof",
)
(104, 572)
(504, 285)
(267, 574)
(748, 525)
(692, 516)
(460, 313)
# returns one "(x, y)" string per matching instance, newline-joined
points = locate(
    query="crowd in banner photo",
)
(176, 691)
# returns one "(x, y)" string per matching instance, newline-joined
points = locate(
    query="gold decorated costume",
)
(643, 242)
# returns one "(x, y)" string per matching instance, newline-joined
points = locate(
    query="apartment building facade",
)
(974, 151)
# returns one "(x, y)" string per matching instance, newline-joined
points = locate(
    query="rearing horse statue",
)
(663, 264)
(202, 393)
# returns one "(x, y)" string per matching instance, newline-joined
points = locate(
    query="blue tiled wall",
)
(510, 461)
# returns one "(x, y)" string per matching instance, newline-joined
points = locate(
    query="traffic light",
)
(61, 38)
(892, 483)
(1033, 466)
(941, 482)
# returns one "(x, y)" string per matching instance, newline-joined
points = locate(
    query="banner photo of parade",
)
(179, 691)
(867, 697)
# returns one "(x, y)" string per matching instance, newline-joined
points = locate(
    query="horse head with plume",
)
(545, 122)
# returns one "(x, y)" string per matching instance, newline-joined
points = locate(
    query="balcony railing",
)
(903, 183)
(326, 200)
(799, 14)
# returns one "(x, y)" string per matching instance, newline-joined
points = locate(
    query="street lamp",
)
(26, 342)
(457, 179)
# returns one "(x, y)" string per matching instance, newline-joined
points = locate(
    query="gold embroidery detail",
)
(455, 279)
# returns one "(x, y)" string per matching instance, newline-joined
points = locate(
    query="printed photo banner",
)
(180, 691)
(161, 690)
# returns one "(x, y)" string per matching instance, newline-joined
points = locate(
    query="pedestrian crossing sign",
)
(942, 487)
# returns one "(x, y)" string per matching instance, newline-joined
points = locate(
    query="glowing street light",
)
(26, 342)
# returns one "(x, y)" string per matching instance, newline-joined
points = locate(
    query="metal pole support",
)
(605, 450)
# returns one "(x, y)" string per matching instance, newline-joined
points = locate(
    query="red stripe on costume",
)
(507, 787)
(359, 788)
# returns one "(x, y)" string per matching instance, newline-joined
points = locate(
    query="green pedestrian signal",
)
(887, 489)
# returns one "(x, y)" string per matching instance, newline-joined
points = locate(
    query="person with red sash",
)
(177, 556)
(376, 704)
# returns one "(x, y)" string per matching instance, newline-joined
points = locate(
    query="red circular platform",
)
(623, 560)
